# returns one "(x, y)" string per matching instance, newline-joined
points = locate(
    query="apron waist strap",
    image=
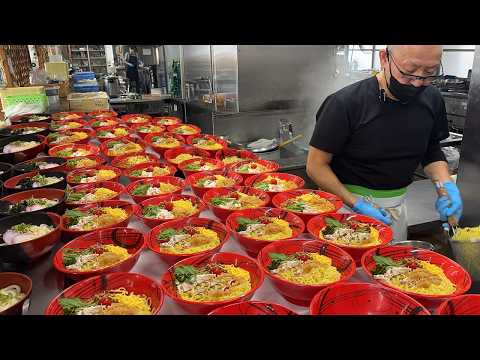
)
(360, 190)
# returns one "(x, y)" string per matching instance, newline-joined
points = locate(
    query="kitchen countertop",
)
(145, 98)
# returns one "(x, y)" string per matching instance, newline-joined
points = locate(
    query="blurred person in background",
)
(132, 61)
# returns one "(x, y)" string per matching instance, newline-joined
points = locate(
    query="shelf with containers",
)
(89, 57)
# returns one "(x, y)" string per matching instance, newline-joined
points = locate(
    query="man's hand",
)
(363, 207)
(451, 205)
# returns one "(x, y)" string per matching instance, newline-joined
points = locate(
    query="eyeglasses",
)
(411, 77)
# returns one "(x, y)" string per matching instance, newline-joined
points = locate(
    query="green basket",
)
(40, 99)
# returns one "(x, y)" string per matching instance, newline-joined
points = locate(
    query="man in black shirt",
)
(371, 136)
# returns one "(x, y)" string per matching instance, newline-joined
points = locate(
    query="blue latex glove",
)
(363, 207)
(451, 205)
(131, 65)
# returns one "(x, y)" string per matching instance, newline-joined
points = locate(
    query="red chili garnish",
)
(216, 270)
(274, 182)
(234, 195)
(168, 206)
(304, 257)
(253, 166)
(264, 220)
(105, 301)
(190, 230)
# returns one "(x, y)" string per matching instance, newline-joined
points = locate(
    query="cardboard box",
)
(87, 102)
(57, 70)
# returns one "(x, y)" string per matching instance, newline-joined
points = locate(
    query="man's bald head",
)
(420, 60)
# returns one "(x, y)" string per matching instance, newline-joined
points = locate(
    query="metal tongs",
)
(452, 220)
(394, 213)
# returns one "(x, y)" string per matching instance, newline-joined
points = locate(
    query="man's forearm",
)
(326, 179)
(438, 171)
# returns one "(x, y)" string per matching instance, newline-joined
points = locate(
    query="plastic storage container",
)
(83, 75)
(83, 88)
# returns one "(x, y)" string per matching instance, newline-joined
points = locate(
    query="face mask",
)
(403, 92)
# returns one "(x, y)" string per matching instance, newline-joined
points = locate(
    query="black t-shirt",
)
(379, 144)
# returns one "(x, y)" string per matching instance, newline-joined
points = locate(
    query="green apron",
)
(393, 200)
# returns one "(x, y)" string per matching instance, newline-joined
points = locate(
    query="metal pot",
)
(112, 86)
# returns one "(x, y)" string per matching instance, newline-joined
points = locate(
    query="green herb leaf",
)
(277, 259)
(383, 263)
(185, 273)
(262, 186)
(71, 305)
(243, 222)
(298, 206)
(167, 234)
(136, 173)
(74, 197)
(218, 201)
(141, 190)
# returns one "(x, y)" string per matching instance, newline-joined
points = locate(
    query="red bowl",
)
(21, 156)
(25, 283)
(299, 294)
(69, 234)
(102, 114)
(160, 149)
(111, 128)
(200, 191)
(91, 172)
(111, 121)
(30, 251)
(91, 187)
(118, 161)
(272, 167)
(10, 184)
(242, 154)
(453, 271)
(222, 213)
(130, 239)
(18, 127)
(160, 199)
(253, 246)
(252, 308)
(246, 263)
(171, 154)
(143, 134)
(364, 299)
(170, 258)
(125, 140)
(317, 223)
(149, 167)
(57, 125)
(61, 115)
(172, 180)
(183, 166)
(173, 129)
(166, 120)
(191, 139)
(127, 119)
(90, 135)
(87, 288)
(99, 161)
(280, 198)
(50, 194)
(92, 149)
(252, 180)
(468, 304)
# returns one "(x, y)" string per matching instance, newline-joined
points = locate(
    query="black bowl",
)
(20, 156)
(28, 166)
(21, 119)
(7, 132)
(33, 249)
(7, 171)
(51, 194)
(62, 185)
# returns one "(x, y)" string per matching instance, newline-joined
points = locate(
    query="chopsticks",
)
(290, 140)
